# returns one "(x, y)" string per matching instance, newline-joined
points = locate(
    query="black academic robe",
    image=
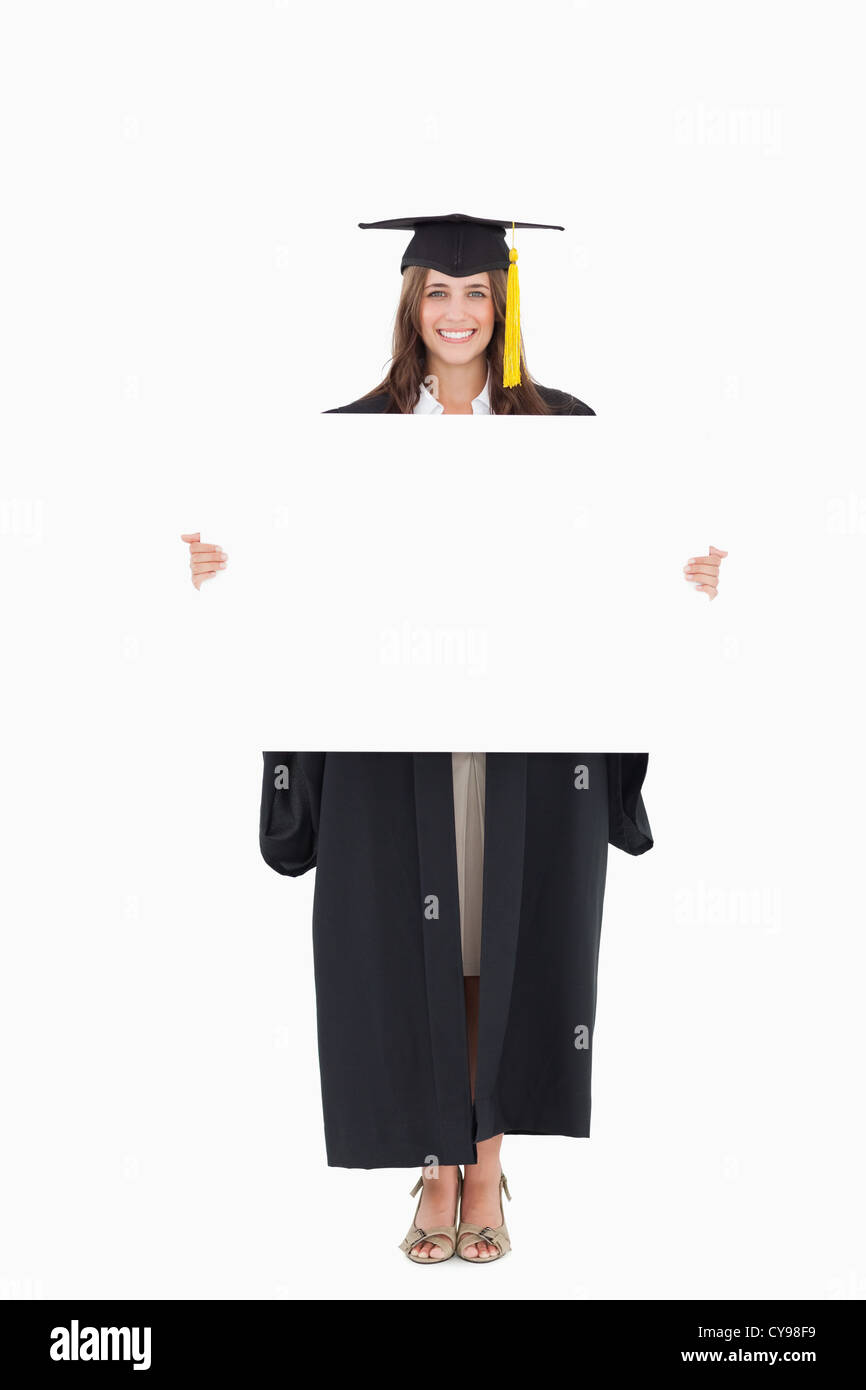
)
(560, 403)
(379, 828)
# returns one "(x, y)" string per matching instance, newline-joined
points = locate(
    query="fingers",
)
(209, 562)
(205, 554)
(703, 572)
(206, 569)
(703, 560)
(205, 558)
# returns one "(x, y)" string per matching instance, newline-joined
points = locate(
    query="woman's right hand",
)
(205, 559)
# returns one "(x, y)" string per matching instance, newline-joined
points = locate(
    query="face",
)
(457, 316)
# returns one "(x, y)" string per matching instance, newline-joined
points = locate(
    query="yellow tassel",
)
(511, 354)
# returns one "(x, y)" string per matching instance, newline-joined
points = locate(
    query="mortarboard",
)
(459, 245)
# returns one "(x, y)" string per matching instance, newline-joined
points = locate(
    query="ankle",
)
(486, 1172)
(441, 1180)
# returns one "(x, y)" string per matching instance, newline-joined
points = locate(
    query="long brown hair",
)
(408, 367)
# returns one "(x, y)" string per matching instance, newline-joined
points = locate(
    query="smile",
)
(462, 336)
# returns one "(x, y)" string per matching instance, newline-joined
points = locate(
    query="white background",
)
(184, 290)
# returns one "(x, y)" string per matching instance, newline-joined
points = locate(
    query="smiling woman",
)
(457, 347)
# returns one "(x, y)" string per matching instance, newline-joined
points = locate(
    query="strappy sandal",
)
(443, 1236)
(498, 1235)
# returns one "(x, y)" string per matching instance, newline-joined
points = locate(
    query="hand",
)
(703, 571)
(205, 559)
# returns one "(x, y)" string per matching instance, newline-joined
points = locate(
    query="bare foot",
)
(438, 1208)
(481, 1205)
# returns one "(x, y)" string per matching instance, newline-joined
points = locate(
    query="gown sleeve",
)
(289, 818)
(628, 825)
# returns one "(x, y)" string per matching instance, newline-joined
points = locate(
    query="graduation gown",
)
(559, 402)
(379, 828)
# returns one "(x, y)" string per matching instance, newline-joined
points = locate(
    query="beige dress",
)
(469, 772)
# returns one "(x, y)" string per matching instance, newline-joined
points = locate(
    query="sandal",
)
(445, 1237)
(498, 1236)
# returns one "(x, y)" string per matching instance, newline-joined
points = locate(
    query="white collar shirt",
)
(427, 403)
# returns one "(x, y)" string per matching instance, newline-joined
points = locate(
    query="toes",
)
(427, 1251)
(471, 1252)
(486, 1251)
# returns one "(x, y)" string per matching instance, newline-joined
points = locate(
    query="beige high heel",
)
(498, 1235)
(445, 1237)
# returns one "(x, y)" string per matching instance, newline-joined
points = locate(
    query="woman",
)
(456, 933)
(457, 347)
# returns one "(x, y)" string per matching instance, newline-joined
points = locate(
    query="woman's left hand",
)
(703, 571)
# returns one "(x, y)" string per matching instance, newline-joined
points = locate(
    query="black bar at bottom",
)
(249, 1338)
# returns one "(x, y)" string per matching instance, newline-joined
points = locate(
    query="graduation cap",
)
(460, 246)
